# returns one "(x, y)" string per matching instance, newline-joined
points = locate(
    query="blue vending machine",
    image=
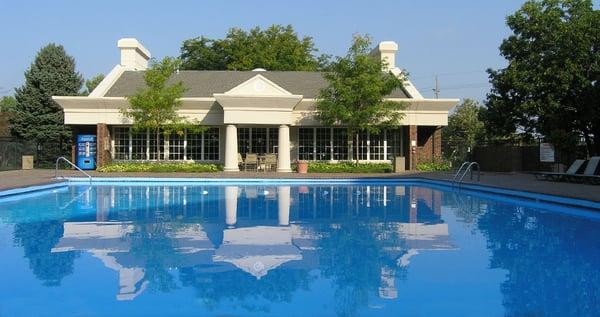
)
(86, 151)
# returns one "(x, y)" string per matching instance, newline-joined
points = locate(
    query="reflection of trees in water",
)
(37, 240)
(352, 255)
(236, 285)
(552, 261)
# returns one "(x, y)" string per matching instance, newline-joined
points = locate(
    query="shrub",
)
(159, 167)
(434, 166)
(348, 167)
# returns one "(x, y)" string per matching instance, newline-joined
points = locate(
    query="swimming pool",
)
(323, 248)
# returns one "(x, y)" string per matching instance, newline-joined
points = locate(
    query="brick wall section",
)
(413, 156)
(103, 156)
(430, 144)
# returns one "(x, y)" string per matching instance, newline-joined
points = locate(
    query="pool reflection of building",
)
(255, 229)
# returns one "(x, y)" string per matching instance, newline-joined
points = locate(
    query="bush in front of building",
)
(434, 166)
(162, 167)
(349, 167)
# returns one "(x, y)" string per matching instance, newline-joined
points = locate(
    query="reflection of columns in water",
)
(413, 205)
(283, 201)
(387, 288)
(231, 201)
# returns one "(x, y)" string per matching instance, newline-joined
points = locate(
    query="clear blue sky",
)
(456, 39)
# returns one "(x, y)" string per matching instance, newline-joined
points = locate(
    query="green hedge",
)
(160, 167)
(349, 167)
(434, 166)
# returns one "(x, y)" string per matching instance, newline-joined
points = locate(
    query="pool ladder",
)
(460, 174)
(73, 165)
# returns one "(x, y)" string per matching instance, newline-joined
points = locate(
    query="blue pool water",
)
(402, 249)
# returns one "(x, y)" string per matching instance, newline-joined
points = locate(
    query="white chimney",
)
(386, 51)
(133, 54)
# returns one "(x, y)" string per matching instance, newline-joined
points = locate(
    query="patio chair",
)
(572, 170)
(589, 174)
(270, 161)
(252, 161)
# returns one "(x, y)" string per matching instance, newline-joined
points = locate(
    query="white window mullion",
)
(314, 147)
(331, 144)
(385, 157)
(368, 144)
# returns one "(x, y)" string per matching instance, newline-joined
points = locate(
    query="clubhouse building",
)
(257, 111)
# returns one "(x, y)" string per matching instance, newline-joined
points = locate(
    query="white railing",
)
(73, 165)
(469, 167)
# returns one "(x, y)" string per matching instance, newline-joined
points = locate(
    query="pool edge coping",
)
(549, 198)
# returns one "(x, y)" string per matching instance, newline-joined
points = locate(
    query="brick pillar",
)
(103, 156)
(437, 145)
(413, 158)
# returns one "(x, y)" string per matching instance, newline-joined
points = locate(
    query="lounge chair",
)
(589, 174)
(572, 170)
(240, 161)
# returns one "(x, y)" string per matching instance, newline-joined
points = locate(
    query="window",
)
(176, 150)
(305, 144)
(376, 146)
(394, 143)
(139, 144)
(194, 146)
(198, 147)
(273, 140)
(363, 141)
(211, 144)
(244, 141)
(259, 140)
(340, 144)
(323, 144)
(121, 138)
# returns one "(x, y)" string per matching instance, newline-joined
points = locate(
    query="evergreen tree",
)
(36, 116)
(92, 83)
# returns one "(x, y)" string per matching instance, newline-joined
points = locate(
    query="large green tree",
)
(92, 83)
(551, 86)
(36, 116)
(464, 130)
(274, 48)
(356, 91)
(7, 103)
(155, 107)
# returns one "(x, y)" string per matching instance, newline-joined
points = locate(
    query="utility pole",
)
(436, 90)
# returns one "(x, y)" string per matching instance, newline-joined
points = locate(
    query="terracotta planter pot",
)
(302, 167)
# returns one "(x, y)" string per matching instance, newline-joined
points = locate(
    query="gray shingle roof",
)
(206, 83)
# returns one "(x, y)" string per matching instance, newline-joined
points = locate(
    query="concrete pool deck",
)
(514, 181)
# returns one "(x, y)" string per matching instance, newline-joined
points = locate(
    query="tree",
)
(551, 85)
(92, 83)
(155, 107)
(36, 116)
(354, 97)
(7, 104)
(275, 48)
(464, 129)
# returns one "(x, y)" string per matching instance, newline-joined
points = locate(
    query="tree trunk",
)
(157, 144)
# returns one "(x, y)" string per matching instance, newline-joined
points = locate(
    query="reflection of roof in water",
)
(257, 250)
(212, 248)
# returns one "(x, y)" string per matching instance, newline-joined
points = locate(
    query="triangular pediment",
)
(258, 86)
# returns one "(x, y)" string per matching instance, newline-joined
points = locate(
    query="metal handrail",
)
(460, 169)
(73, 165)
(470, 167)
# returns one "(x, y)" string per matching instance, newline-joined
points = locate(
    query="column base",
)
(284, 170)
(231, 169)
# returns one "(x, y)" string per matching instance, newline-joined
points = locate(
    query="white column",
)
(283, 199)
(283, 158)
(231, 201)
(231, 149)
